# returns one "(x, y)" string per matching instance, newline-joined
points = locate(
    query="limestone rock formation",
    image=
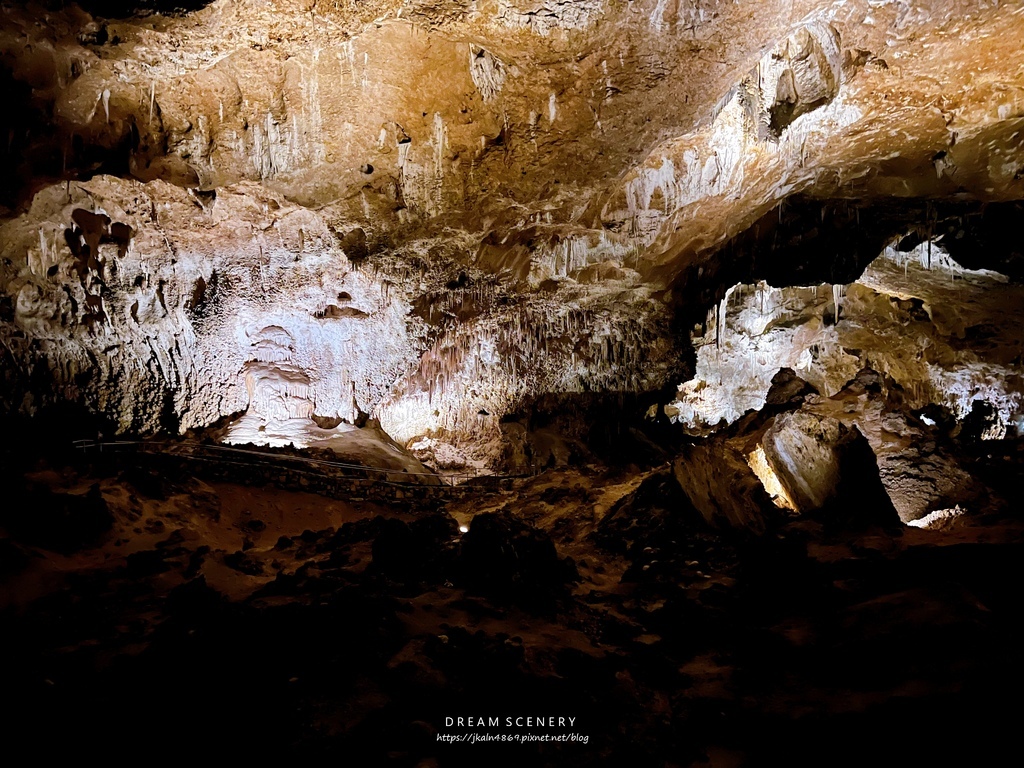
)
(910, 315)
(438, 214)
(653, 364)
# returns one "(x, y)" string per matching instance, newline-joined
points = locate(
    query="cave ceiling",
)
(434, 212)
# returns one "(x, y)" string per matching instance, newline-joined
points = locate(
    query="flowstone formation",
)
(286, 219)
(239, 311)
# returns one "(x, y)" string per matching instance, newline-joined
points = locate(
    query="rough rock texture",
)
(437, 213)
(948, 335)
(488, 236)
(270, 624)
(862, 457)
(718, 481)
(826, 468)
(232, 314)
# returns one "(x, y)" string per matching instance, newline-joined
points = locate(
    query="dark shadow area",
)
(807, 241)
(36, 152)
(610, 428)
(361, 639)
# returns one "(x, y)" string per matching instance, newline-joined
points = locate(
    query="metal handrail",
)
(448, 480)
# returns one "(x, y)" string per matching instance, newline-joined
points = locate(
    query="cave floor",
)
(258, 623)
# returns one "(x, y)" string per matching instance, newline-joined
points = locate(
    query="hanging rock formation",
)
(438, 214)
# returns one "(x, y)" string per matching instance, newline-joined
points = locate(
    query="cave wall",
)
(432, 213)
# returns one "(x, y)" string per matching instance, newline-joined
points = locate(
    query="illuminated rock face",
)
(228, 314)
(435, 213)
(947, 335)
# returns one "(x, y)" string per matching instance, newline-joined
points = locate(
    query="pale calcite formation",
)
(433, 212)
(946, 334)
(243, 303)
(767, 123)
(247, 302)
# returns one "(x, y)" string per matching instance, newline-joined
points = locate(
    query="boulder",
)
(828, 470)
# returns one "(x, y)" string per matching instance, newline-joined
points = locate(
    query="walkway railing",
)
(247, 457)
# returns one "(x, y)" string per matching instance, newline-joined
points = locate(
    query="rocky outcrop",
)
(948, 335)
(439, 213)
(827, 469)
(860, 458)
(718, 481)
(502, 557)
(194, 313)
